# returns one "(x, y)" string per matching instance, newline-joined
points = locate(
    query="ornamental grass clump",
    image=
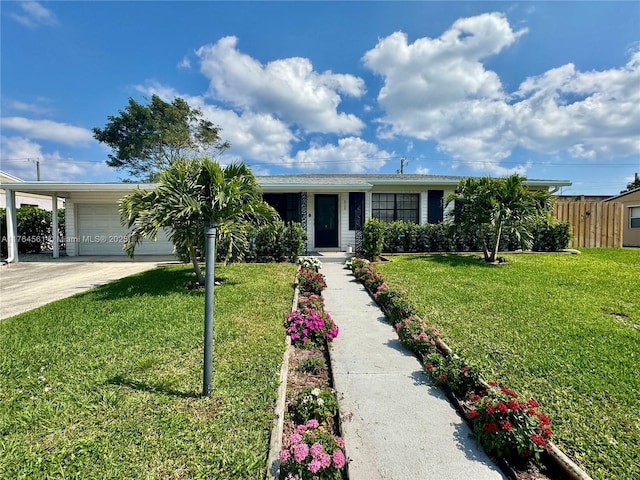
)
(310, 328)
(416, 335)
(509, 428)
(315, 404)
(312, 454)
(310, 281)
(452, 371)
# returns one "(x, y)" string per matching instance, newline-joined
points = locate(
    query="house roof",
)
(275, 183)
(616, 197)
(7, 177)
(367, 181)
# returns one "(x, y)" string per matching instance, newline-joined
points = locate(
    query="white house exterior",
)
(331, 208)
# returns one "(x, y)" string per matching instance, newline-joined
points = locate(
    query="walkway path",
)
(396, 425)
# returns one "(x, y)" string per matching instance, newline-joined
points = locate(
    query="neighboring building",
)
(331, 208)
(26, 199)
(631, 204)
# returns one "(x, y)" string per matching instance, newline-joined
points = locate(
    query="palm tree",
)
(190, 193)
(489, 206)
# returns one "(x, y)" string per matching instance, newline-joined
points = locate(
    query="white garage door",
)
(101, 233)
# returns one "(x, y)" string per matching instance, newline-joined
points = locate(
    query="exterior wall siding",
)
(630, 236)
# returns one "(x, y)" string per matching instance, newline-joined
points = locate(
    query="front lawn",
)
(564, 329)
(107, 384)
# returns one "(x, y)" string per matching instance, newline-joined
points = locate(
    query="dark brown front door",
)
(326, 221)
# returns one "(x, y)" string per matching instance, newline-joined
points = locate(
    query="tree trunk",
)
(196, 265)
(496, 247)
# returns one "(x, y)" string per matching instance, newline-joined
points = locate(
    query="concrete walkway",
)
(396, 426)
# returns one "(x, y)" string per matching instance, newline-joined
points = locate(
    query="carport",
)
(92, 222)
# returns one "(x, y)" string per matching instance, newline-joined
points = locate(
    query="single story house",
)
(332, 208)
(631, 227)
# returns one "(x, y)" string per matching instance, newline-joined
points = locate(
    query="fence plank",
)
(593, 224)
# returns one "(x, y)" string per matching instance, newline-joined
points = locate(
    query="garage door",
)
(101, 233)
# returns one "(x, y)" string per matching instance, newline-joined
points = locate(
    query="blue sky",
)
(548, 89)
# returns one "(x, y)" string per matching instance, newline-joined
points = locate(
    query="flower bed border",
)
(561, 460)
(277, 432)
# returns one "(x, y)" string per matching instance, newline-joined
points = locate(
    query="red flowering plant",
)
(310, 328)
(452, 371)
(416, 335)
(312, 454)
(310, 281)
(507, 427)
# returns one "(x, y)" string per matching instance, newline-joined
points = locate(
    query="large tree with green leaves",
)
(146, 139)
(190, 193)
(490, 206)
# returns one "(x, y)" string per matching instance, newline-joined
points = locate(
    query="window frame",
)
(632, 218)
(397, 206)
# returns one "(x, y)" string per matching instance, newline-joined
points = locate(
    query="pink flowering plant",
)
(310, 328)
(310, 281)
(312, 454)
(507, 427)
(310, 301)
(367, 274)
(394, 302)
(452, 371)
(416, 335)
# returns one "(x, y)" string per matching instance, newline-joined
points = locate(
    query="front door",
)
(326, 223)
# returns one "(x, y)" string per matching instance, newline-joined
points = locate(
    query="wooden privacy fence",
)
(593, 224)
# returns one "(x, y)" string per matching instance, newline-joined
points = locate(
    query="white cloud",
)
(592, 115)
(422, 171)
(351, 154)
(34, 15)
(38, 108)
(48, 130)
(289, 88)
(439, 89)
(19, 157)
(254, 136)
(185, 63)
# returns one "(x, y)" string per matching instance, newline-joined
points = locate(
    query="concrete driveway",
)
(39, 280)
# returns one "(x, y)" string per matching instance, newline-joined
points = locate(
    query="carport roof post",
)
(12, 226)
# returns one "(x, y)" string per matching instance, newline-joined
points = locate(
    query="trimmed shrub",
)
(550, 236)
(373, 238)
(294, 239)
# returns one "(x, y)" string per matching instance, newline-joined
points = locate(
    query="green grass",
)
(564, 329)
(107, 384)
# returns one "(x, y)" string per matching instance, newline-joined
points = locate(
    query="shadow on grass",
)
(122, 381)
(157, 282)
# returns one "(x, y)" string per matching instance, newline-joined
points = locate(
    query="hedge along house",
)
(331, 208)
